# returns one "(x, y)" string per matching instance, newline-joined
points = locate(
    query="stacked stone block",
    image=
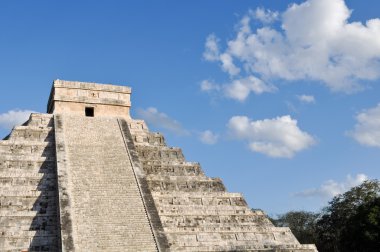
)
(195, 211)
(28, 188)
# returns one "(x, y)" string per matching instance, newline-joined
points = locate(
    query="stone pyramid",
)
(88, 177)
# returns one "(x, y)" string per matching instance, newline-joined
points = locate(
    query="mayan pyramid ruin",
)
(85, 176)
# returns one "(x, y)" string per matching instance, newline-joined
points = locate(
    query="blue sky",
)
(278, 98)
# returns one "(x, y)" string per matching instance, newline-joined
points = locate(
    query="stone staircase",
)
(195, 211)
(28, 188)
(106, 210)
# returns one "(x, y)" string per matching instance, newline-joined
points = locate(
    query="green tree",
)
(354, 212)
(301, 223)
(362, 232)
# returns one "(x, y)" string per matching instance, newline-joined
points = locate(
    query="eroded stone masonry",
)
(88, 177)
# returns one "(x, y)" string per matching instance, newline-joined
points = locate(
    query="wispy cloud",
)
(208, 137)
(279, 137)
(265, 16)
(316, 41)
(331, 188)
(14, 117)
(367, 128)
(161, 120)
(211, 52)
(306, 98)
(209, 86)
(238, 89)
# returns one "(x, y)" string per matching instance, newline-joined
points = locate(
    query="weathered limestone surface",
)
(72, 97)
(104, 206)
(196, 212)
(70, 182)
(28, 188)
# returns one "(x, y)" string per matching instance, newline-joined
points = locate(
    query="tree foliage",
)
(340, 218)
(350, 222)
(301, 223)
(362, 232)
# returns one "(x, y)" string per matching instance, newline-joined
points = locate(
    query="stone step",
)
(185, 169)
(26, 191)
(36, 207)
(29, 244)
(5, 212)
(188, 185)
(26, 168)
(199, 198)
(15, 150)
(149, 138)
(27, 202)
(31, 134)
(36, 227)
(199, 220)
(275, 232)
(9, 145)
(32, 171)
(42, 183)
(179, 178)
(160, 153)
(242, 246)
(16, 173)
(219, 227)
(40, 120)
(8, 161)
(32, 222)
(23, 184)
(202, 210)
(271, 238)
(205, 195)
(166, 162)
(137, 126)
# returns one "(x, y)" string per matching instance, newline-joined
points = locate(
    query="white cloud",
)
(316, 42)
(152, 116)
(212, 53)
(306, 98)
(265, 16)
(277, 137)
(228, 64)
(239, 89)
(13, 118)
(331, 188)
(367, 128)
(212, 48)
(207, 86)
(208, 137)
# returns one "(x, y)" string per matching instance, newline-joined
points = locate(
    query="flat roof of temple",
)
(92, 86)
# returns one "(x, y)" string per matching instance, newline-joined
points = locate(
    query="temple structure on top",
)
(88, 177)
(82, 98)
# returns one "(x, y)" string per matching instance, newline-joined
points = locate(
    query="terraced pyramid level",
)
(88, 177)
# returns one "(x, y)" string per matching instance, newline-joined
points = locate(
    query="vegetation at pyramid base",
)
(350, 222)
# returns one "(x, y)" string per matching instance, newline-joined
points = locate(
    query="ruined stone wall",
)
(28, 188)
(195, 211)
